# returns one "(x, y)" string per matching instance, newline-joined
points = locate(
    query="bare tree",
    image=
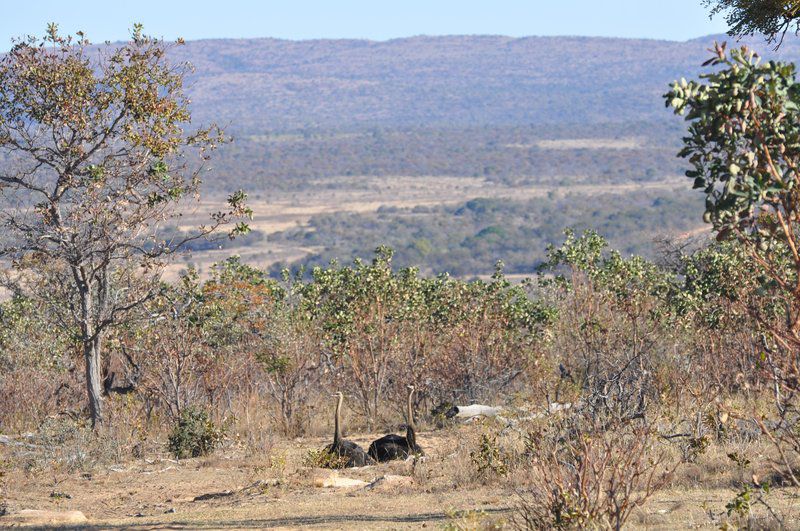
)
(95, 160)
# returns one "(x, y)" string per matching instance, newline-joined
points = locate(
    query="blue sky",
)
(373, 19)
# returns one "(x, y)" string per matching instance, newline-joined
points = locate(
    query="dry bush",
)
(173, 361)
(580, 477)
(488, 335)
(383, 329)
(474, 521)
(28, 395)
(453, 467)
(61, 446)
(177, 367)
(783, 431)
(252, 426)
(610, 356)
(474, 361)
(289, 355)
(39, 367)
(374, 347)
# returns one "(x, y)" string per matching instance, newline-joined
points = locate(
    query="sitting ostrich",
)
(353, 455)
(395, 446)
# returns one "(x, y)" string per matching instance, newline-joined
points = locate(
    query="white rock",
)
(333, 481)
(477, 410)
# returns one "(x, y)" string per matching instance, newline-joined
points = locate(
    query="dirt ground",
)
(279, 491)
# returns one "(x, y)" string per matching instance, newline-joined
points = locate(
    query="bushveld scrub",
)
(617, 373)
(592, 478)
(620, 370)
(612, 324)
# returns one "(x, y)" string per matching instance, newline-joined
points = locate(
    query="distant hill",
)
(268, 85)
(456, 151)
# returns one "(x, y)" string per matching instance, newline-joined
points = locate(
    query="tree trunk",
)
(94, 388)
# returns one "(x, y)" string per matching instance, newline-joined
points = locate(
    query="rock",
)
(333, 481)
(389, 482)
(475, 410)
(41, 517)
(171, 510)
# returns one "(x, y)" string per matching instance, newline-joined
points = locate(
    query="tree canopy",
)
(772, 18)
(743, 144)
(98, 156)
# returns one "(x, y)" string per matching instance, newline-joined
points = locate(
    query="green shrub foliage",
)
(195, 434)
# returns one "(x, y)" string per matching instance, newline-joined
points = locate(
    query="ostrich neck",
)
(410, 434)
(337, 434)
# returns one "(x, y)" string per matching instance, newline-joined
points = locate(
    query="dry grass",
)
(591, 143)
(583, 143)
(240, 488)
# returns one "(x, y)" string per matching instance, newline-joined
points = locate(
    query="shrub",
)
(324, 459)
(583, 478)
(60, 446)
(743, 148)
(195, 434)
(489, 457)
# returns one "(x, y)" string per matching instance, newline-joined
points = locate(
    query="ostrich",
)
(395, 446)
(353, 455)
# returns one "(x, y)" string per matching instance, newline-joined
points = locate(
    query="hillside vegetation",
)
(313, 117)
(468, 238)
(269, 85)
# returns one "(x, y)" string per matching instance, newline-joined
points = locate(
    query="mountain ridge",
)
(273, 85)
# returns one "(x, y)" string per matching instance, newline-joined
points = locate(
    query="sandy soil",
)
(231, 491)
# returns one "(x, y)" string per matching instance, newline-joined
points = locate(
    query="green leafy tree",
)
(773, 18)
(367, 314)
(744, 146)
(97, 157)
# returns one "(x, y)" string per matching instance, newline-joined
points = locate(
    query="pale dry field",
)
(585, 143)
(285, 210)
